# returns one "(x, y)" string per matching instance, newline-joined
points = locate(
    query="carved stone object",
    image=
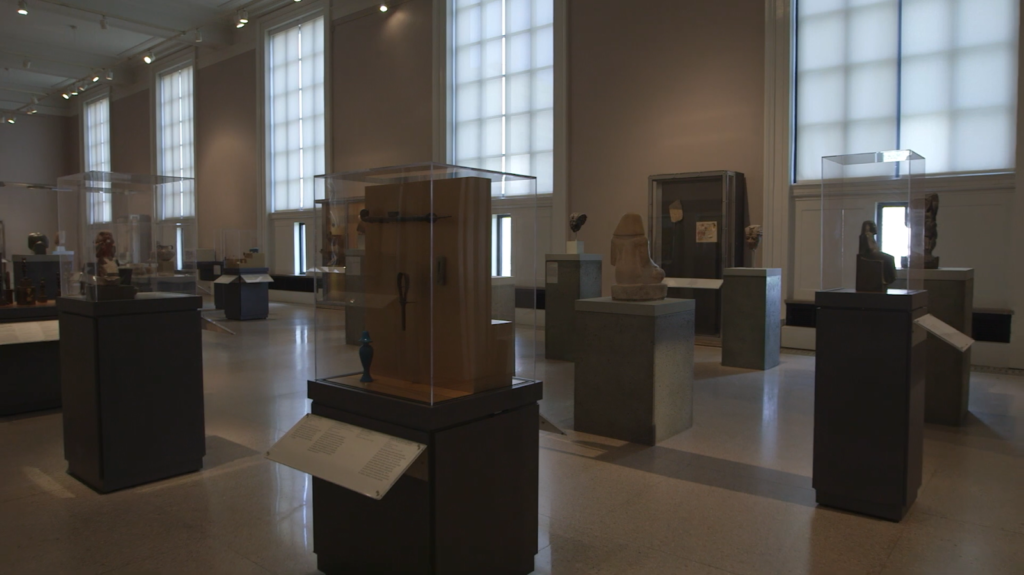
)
(576, 222)
(38, 243)
(106, 265)
(875, 268)
(752, 236)
(637, 277)
(931, 231)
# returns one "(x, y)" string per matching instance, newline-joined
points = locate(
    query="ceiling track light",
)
(11, 119)
(96, 78)
(26, 63)
(23, 10)
(199, 36)
(66, 96)
(384, 7)
(109, 75)
(74, 90)
(243, 18)
(149, 57)
(32, 110)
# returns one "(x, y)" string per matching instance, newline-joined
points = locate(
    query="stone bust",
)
(637, 277)
(38, 243)
(875, 268)
(106, 264)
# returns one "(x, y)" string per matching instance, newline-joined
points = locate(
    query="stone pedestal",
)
(569, 277)
(503, 298)
(751, 317)
(869, 400)
(948, 375)
(634, 368)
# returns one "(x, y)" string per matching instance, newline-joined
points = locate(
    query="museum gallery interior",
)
(501, 287)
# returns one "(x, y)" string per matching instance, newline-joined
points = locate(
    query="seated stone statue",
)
(637, 277)
(876, 270)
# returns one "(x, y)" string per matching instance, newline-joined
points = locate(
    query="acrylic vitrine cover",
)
(238, 249)
(35, 260)
(133, 233)
(872, 221)
(696, 231)
(404, 300)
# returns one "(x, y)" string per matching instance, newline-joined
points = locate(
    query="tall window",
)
(96, 134)
(295, 112)
(503, 71)
(176, 153)
(935, 76)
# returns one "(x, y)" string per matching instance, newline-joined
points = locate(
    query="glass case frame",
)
(404, 257)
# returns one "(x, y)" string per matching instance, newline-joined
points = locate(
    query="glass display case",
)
(409, 253)
(696, 231)
(133, 233)
(239, 249)
(35, 262)
(873, 221)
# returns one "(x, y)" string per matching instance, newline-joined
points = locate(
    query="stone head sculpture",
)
(752, 236)
(637, 277)
(165, 253)
(576, 222)
(106, 265)
(38, 243)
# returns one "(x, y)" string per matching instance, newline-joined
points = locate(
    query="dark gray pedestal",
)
(471, 509)
(31, 377)
(634, 368)
(569, 277)
(243, 300)
(869, 400)
(948, 378)
(132, 383)
(751, 317)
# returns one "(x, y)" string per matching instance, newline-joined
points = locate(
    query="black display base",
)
(31, 379)
(132, 383)
(244, 301)
(38, 312)
(471, 509)
(218, 296)
(869, 401)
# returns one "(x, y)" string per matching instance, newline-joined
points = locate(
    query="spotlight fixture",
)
(11, 119)
(23, 10)
(384, 6)
(243, 18)
(149, 57)
(66, 96)
(74, 90)
(82, 87)
(103, 22)
(199, 35)
(96, 78)
(26, 63)
(109, 75)
(32, 110)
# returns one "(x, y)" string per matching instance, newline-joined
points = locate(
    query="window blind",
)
(176, 156)
(97, 155)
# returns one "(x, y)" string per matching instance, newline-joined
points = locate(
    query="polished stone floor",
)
(731, 495)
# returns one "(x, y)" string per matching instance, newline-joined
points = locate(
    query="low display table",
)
(751, 317)
(948, 377)
(245, 293)
(569, 277)
(30, 356)
(634, 368)
(132, 382)
(470, 507)
(869, 389)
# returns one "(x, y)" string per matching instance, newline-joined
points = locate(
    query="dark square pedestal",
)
(472, 508)
(948, 380)
(869, 400)
(132, 383)
(241, 299)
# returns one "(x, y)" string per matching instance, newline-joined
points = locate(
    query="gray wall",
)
(673, 87)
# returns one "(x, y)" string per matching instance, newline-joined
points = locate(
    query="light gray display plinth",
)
(503, 298)
(948, 375)
(751, 317)
(634, 368)
(569, 277)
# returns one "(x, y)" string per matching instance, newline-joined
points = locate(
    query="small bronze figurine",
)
(26, 293)
(876, 270)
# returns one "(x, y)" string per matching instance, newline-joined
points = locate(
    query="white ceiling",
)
(64, 42)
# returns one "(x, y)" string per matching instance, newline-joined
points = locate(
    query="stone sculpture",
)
(38, 243)
(931, 231)
(576, 222)
(106, 265)
(752, 236)
(637, 277)
(875, 268)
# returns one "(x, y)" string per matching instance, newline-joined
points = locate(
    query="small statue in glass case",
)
(38, 243)
(875, 269)
(637, 277)
(165, 255)
(576, 222)
(106, 264)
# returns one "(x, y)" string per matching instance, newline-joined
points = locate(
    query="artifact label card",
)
(365, 461)
(707, 232)
(693, 283)
(945, 332)
(29, 332)
(552, 273)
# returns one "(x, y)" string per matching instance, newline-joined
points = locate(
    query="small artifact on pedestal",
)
(637, 277)
(25, 294)
(576, 221)
(366, 357)
(41, 298)
(109, 280)
(165, 258)
(38, 243)
(931, 231)
(752, 236)
(875, 269)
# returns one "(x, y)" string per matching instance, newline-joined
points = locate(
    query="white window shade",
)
(503, 99)
(296, 113)
(176, 155)
(935, 76)
(97, 154)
